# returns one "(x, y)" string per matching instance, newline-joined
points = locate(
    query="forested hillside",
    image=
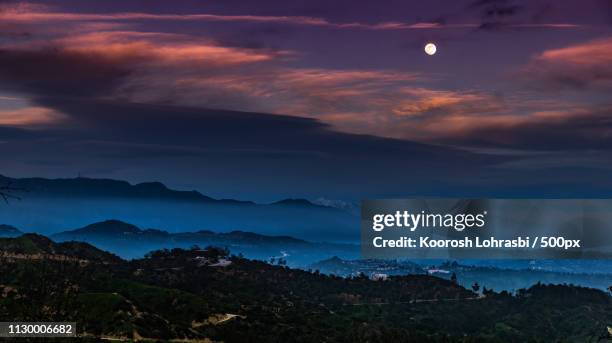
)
(200, 294)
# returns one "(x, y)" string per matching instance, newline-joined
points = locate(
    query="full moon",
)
(430, 49)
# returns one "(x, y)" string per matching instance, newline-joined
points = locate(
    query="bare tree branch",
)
(6, 193)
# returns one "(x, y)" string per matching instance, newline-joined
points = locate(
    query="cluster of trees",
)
(278, 261)
(170, 295)
(210, 252)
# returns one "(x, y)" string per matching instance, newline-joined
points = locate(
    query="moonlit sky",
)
(341, 100)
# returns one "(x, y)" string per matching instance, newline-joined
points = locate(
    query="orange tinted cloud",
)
(392, 104)
(159, 47)
(586, 65)
(422, 101)
(298, 91)
(39, 14)
(29, 116)
(575, 128)
(26, 13)
(155, 67)
(598, 52)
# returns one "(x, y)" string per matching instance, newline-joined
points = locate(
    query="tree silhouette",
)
(7, 193)
(454, 278)
(475, 287)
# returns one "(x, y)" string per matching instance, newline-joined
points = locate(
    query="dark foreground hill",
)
(36, 247)
(206, 295)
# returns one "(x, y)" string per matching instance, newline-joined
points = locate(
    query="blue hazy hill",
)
(52, 205)
(129, 241)
(9, 231)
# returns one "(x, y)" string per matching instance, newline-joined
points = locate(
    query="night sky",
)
(263, 100)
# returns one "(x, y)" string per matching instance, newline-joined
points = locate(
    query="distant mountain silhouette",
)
(347, 206)
(87, 187)
(90, 187)
(76, 202)
(117, 229)
(106, 228)
(297, 202)
(9, 231)
(130, 241)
